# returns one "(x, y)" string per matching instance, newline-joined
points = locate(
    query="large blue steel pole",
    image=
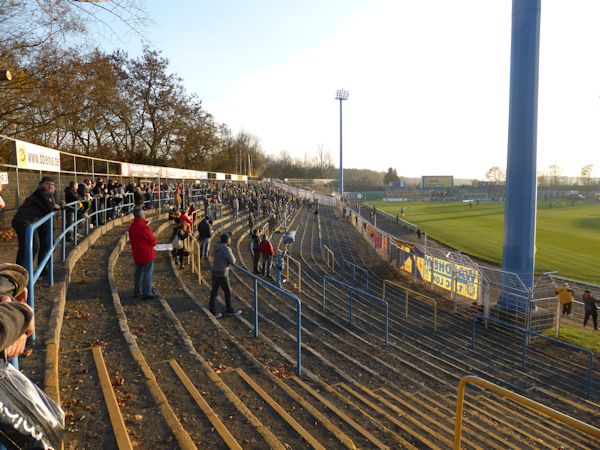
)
(521, 184)
(341, 161)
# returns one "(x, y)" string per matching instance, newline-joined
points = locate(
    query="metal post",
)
(558, 313)
(524, 351)
(299, 339)
(324, 281)
(96, 210)
(51, 250)
(255, 306)
(521, 183)
(350, 308)
(387, 313)
(63, 228)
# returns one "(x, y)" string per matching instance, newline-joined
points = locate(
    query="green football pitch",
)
(568, 236)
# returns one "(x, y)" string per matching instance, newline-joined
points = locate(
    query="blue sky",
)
(428, 79)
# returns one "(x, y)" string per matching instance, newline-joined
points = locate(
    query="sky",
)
(428, 80)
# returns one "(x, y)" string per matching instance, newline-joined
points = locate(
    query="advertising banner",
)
(140, 170)
(467, 279)
(436, 182)
(3, 177)
(35, 157)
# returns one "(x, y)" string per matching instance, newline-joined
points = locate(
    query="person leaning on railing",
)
(36, 206)
(591, 310)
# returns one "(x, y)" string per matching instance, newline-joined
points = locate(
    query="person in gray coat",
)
(222, 259)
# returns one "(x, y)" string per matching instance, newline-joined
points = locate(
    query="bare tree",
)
(495, 174)
(555, 174)
(586, 174)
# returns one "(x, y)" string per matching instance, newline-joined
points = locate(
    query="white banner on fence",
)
(35, 157)
(3, 177)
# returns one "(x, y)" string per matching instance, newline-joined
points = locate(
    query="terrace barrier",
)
(351, 290)
(258, 280)
(524, 401)
(329, 257)
(356, 267)
(526, 335)
(299, 267)
(406, 291)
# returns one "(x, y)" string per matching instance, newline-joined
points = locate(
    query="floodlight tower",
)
(341, 95)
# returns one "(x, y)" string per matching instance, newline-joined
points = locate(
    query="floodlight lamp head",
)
(341, 94)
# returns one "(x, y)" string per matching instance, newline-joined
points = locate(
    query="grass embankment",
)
(583, 338)
(568, 236)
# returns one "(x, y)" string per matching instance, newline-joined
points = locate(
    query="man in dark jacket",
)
(223, 258)
(142, 242)
(590, 309)
(36, 206)
(255, 250)
(204, 234)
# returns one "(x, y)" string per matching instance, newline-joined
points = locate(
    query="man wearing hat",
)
(223, 258)
(36, 206)
(142, 241)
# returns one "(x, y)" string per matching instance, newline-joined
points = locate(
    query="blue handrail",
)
(296, 300)
(527, 333)
(350, 300)
(53, 242)
(354, 267)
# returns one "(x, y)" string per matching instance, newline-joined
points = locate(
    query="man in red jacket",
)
(142, 242)
(266, 249)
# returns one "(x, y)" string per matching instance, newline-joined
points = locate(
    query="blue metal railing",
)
(526, 334)
(355, 267)
(350, 301)
(256, 280)
(52, 243)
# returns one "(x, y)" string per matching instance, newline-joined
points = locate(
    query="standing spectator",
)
(83, 193)
(178, 197)
(186, 222)
(590, 309)
(204, 234)
(36, 206)
(142, 242)
(235, 206)
(220, 276)
(138, 196)
(266, 249)
(251, 221)
(255, 251)
(279, 267)
(180, 233)
(71, 211)
(565, 296)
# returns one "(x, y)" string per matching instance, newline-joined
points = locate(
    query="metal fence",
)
(472, 288)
